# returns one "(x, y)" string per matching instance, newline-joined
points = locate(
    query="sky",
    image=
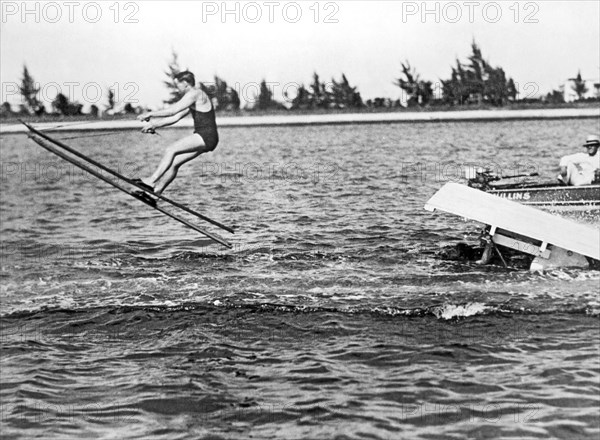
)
(81, 48)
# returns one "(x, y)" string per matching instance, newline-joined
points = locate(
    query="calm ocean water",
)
(332, 317)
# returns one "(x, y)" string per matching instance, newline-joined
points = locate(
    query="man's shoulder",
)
(575, 156)
(201, 98)
(569, 158)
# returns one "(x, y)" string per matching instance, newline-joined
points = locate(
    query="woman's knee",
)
(171, 155)
(171, 151)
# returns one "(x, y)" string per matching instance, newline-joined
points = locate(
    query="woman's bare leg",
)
(189, 144)
(171, 172)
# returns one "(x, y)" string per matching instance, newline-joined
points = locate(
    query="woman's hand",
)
(144, 117)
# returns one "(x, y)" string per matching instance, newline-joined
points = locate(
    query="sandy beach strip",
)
(319, 119)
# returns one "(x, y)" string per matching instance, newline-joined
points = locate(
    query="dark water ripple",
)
(332, 317)
(272, 370)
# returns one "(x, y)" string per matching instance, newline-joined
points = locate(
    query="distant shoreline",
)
(320, 119)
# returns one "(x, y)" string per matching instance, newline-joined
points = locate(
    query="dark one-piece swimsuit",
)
(206, 126)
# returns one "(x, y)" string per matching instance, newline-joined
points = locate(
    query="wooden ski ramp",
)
(524, 220)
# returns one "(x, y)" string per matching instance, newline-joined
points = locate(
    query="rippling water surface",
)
(332, 317)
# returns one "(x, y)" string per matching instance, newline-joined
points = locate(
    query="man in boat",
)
(582, 168)
(204, 139)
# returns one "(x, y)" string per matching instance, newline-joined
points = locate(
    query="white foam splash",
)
(450, 311)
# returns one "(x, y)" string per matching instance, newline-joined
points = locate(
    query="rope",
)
(88, 135)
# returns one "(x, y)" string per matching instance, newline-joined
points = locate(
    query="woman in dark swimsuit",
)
(204, 139)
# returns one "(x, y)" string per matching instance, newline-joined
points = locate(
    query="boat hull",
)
(560, 198)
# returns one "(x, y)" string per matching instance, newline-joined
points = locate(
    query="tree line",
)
(474, 81)
(61, 105)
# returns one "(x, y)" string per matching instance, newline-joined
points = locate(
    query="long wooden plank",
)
(84, 167)
(120, 176)
(491, 210)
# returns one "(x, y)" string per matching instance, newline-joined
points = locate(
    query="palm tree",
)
(29, 91)
(579, 86)
(173, 69)
(344, 95)
(265, 99)
(418, 91)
